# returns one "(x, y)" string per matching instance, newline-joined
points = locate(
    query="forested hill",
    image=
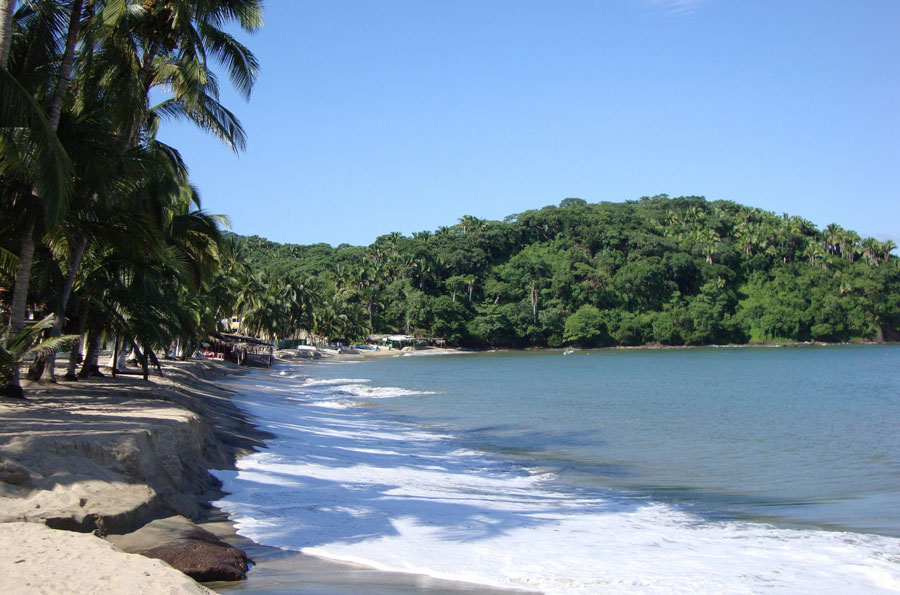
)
(657, 270)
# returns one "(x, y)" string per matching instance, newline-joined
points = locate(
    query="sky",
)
(371, 117)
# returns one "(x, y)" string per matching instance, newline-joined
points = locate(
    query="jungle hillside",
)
(658, 270)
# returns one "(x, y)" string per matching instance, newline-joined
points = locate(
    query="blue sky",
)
(397, 115)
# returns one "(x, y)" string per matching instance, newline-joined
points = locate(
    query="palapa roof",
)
(241, 340)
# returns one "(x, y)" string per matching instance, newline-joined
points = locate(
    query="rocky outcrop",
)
(188, 547)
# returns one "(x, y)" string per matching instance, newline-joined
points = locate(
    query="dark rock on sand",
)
(13, 474)
(188, 547)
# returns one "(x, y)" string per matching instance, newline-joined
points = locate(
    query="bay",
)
(679, 458)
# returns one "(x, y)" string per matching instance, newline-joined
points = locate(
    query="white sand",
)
(107, 454)
(36, 559)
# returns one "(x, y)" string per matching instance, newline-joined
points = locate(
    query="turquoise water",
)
(794, 436)
(726, 470)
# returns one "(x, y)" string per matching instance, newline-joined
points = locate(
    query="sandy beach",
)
(95, 472)
(85, 464)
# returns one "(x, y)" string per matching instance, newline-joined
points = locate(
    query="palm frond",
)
(209, 115)
(9, 262)
(44, 154)
(242, 66)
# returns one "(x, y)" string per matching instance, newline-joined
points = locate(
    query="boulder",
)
(13, 474)
(187, 547)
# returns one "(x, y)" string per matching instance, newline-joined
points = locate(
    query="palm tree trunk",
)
(145, 366)
(56, 331)
(73, 359)
(145, 76)
(20, 290)
(115, 364)
(65, 70)
(75, 352)
(90, 366)
(6, 22)
(26, 254)
(36, 369)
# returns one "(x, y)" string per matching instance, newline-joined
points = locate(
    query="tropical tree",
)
(15, 348)
(34, 170)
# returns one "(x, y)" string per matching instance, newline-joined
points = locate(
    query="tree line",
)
(658, 270)
(102, 229)
(101, 226)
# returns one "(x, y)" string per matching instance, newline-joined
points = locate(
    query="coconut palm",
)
(131, 48)
(15, 348)
(886, 248)
(34, 168)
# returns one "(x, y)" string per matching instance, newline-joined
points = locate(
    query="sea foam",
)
(348, 485)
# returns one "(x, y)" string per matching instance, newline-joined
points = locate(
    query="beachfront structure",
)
(401, 341)
(238, 348)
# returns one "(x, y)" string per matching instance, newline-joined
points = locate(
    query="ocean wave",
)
(377, 392)
(314, 382)
(434, 352)
(333, 404)
(344, 484)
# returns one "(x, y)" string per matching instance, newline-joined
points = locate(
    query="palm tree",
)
(104, 178)
(6, 21)
(172, 254)
(852, 245)
(886, 248)
(139, 47)
(707, 238)
(32, 153)
(165, 45)
(870, 250)
(470, 284)
(834, 234)
(357, 325)
(470, 224)
(14, 348)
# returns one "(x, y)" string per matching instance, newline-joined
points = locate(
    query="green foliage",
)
(14, 349)
(587, 327)
(673, 271)
(100, 216)
(448, 319)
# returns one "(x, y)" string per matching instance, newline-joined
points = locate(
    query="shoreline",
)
(381, 484)
(112, 468)
(278, 571)
(109, 456)
(662, 347)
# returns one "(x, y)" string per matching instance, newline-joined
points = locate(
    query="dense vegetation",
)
(100, 225)
(673, 271)
(102, 229)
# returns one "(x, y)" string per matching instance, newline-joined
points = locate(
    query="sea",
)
(722, 469)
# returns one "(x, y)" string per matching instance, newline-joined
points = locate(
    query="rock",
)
(13, 474)
(188, 547)
(203, 557)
